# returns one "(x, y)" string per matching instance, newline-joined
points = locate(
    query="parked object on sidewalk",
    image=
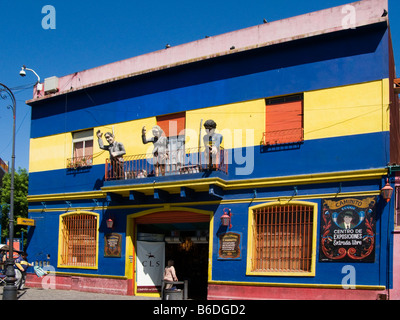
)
(39, 271)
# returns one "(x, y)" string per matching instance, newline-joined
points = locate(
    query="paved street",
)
(50, 294)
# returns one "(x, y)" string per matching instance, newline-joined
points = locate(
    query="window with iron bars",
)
(283, 238)
(78, 245)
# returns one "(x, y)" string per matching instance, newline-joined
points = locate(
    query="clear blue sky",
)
(92, 33)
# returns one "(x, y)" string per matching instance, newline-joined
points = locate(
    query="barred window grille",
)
(79, 240)
(282, 238)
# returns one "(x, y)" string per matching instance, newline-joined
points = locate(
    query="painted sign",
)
(230, 246)
(348, 229)
(112, 245)
(25, 221)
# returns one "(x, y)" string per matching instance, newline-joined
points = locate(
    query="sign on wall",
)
(150, 266)
(348, 229)
(112, 245)
(25, 222)
(230, 246)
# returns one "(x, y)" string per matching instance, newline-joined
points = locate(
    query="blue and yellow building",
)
(310, 124)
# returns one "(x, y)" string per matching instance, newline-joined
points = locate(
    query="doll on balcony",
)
(160, 150)
(212, 142)
(116, 150)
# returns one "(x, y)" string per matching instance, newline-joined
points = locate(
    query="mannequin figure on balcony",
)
(160, 150)
(212, 142)
(117, 151)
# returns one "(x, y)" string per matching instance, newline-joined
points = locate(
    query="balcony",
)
(80, 162)
(178, 163)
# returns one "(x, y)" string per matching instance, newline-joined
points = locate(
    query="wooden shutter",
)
(172, 124)
(284, 123)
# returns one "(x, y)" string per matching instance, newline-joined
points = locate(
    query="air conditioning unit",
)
(50, 85)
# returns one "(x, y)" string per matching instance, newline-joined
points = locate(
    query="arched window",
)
(282, 239)
(78, 240)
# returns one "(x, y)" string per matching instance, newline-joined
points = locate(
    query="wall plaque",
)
(348, 229)
(230, 246)
(112, 245)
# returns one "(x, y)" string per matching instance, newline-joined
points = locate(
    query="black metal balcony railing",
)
(179, 162)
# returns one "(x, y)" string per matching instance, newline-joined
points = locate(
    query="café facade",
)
(262, 161)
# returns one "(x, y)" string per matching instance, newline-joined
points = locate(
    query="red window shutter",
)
(284, 123)
(172, 124)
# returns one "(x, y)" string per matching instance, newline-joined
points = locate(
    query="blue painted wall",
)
(225, 270)
(355, 152)
(346, 57)
(342, 58)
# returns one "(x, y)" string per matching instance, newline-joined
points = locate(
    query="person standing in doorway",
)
(170, 274)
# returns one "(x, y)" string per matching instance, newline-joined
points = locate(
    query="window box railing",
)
(284, 136)
(80, 162)
(179, 162)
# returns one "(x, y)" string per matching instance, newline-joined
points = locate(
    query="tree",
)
(21, 179)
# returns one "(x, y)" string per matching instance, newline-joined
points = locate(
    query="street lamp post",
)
(10, 290)
(22, 73)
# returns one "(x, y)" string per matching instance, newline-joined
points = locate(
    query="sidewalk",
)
(51, 294)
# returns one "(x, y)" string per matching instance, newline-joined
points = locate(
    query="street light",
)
(226, 218)
(22, 73)
(10, 290)
(387, 191)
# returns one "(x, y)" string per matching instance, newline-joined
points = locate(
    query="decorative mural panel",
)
(112, 245)
(230, 246)
(348, 229)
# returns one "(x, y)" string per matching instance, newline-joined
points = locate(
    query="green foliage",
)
(21, 180)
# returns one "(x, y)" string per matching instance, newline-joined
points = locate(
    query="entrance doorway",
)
(186, 237)
(191, 263)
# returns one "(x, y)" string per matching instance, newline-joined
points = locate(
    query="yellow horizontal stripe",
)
(348, 110)
(282, 200)
(340, 111)
(67, 196)
(49, 153)
(241, 124)
(235, 184)
(257, 183)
